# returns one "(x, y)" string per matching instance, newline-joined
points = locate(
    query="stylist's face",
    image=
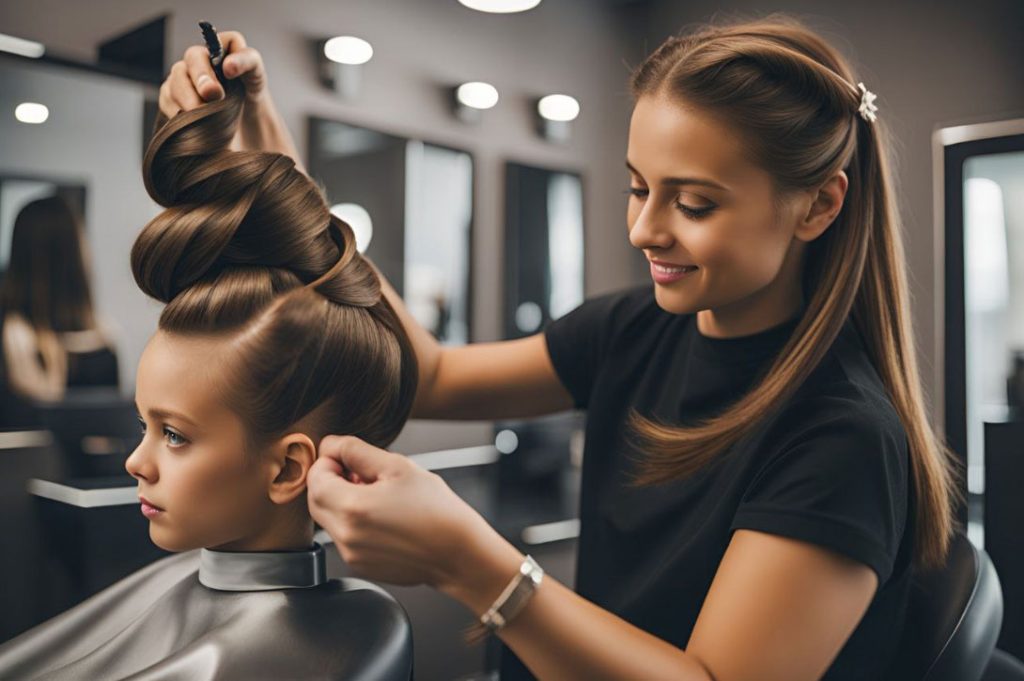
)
(202, 489)
(696, 201)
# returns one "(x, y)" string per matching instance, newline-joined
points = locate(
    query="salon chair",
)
(953, 619)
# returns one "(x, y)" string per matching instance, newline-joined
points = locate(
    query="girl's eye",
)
(174, 439)
(694, 213)
(638, 192)
(142, 425)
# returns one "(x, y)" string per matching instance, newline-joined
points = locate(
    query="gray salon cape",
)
(217, 615)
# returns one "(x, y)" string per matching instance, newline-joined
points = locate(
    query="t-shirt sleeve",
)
(841, 482)
(578, 341)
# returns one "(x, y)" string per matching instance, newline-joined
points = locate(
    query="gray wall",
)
(932, 64)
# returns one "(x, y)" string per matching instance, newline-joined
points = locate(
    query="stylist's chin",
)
(394, 521)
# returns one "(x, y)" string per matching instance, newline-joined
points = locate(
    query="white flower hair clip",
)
(867, 104)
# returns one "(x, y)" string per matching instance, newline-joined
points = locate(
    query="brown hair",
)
(47, 286)
(794, 100)
(47, 280)
(248, 249)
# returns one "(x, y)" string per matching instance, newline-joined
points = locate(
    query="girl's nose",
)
(139, 465)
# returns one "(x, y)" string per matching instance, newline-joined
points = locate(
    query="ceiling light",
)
(31, 112)
(348, 49)
(500, 6)
(558, 108)
(470, 100)
(477, 95)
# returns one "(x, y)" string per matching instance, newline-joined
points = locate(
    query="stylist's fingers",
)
(326, 485)
(242, 61)
(358, 457)
(176, 92)
(247, 64)
(202, 81)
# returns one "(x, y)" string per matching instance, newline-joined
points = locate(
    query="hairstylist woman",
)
(759, 473)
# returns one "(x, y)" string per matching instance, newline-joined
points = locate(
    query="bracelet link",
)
(511, 601)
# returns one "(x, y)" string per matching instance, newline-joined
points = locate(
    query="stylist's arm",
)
(395, 522)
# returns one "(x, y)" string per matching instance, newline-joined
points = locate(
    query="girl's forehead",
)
(185, 375)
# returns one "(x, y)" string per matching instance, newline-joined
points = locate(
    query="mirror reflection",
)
(410, 203)
(543, 247)
(994, 291)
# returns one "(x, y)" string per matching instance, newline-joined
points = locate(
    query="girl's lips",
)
(148, 509)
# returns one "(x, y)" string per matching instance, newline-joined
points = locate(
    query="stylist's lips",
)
(666, 272)
(149, 509)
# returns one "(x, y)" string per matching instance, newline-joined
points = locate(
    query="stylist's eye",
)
(142, 424)
(638, 192)
(694, 213)
(174, 439)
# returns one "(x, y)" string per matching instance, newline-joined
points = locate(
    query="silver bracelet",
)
(514, 597)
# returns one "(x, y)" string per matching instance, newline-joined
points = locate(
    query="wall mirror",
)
(78, 131)
(543, 246)
(981, 196)
(410, 203)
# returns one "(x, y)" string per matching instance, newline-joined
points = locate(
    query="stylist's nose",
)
(648, 229)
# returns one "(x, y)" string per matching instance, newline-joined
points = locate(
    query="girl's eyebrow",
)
(164, 413)
(675, 181)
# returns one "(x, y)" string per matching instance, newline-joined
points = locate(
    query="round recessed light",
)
(529, 317)
(477, 95)
(347, 49)
(558, 108)
(506, 441)
(31, 112)
(358, 219)
(500, 6)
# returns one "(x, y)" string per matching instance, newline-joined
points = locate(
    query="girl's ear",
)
(293, 456)
(824, 208)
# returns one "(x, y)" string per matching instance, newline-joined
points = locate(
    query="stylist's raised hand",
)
(390, 519)
(192, 82)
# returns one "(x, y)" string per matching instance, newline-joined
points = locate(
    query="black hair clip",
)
(215, 49)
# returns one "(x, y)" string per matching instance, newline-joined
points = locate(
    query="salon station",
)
(472, 150)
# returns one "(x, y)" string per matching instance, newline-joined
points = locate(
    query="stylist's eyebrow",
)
(676, 181)
(164, 414)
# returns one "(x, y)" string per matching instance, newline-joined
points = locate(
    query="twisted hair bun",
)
(249, 211)
(246, 241)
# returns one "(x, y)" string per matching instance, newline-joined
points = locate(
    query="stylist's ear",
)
(293, 456)
(825, 205)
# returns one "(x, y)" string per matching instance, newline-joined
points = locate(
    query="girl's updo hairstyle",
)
(247, 249)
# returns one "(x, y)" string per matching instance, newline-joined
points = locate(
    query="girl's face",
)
(198, 485)
(696, 201)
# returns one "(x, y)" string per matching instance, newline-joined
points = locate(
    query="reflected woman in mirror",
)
(275, 333)
(50, 337)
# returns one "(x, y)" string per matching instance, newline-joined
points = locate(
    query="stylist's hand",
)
(390, 519)
(191, 81)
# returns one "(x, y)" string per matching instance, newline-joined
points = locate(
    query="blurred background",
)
(479, 157)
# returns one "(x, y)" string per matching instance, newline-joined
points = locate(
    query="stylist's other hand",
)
(191, 81)
(390, 519)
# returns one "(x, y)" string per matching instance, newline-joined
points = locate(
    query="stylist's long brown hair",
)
(248, 250)
(795, 101)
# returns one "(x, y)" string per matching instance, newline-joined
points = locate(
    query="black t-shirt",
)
(830, 468)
